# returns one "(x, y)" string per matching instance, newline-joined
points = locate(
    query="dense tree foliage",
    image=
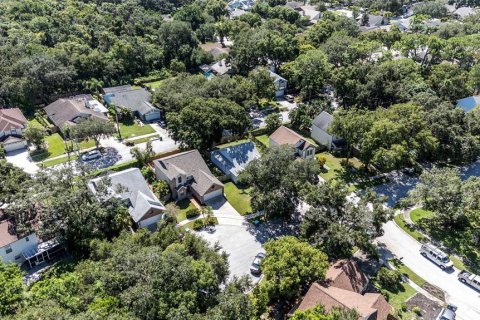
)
(203, 122)
(11, 284)
(319, 313)
(277, 180)
(13, 180)
(177, 275)
(68, 209)
(305, 263)
(337, 223)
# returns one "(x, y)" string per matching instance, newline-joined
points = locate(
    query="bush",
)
(2, 153)
(321, 160)
(417, 310)
(192, 213)
(148, 174)
(198, 224)
(161, 189)
(389, 279)
(129, 143)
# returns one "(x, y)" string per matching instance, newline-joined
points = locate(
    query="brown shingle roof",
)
(11, 119)
(343, 286)
(284, 135)
(189, 163)
(6, 235)
(346, 274)
(69, 111)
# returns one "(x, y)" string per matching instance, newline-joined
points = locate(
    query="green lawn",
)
(54, 162)
(397, 299)
(56, 145)
(264, 139)
(134, 130)
(190, 224)
(418, 214)
(412, 232)
(408, 272)
(184, 205)
(153, 85)
(335, 165)
(233, 143)
(145, 139)
(238, 198)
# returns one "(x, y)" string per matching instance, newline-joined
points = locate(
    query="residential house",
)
(286, 136)
(187, 174)
(218, 68)
(12, 124)
(305, 10)
(280, 84)
(215, 49)
(129, 185)
(344, 288)
(463, 12)
(235, 13)
(12, 245)
(319, 132)
(70, 111)
(374, 22)
(137, 100)
(469, 103)
(233, 160)
(240, 4)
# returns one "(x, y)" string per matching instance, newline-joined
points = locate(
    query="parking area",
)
(21, 159)
(109, 157)
(241, 240)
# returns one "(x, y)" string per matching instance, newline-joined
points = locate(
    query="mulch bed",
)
(430, 309)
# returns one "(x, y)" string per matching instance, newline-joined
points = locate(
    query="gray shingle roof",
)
(133, 99)
(130, 184)
(323, 120)
(189, 163)
(234, 159)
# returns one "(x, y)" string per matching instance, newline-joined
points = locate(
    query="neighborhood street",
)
(396, 242)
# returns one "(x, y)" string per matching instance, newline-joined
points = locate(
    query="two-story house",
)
(12, 246)
(286, 136)
(187, 174)
(129, 185)
(12, 124)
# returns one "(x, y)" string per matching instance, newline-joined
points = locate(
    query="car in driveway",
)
(448, 313)
(256, 267)
(436, 255)
(289, 98)
(91, 155)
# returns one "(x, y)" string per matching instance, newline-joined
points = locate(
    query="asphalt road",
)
(401, 245)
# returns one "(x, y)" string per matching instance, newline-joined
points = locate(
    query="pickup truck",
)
(470, 279)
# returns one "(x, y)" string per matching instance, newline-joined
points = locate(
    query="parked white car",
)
(91, 155)
(470, 279)
(436, 255)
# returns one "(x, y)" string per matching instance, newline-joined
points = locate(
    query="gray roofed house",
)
(137, 100)
(280, 84)
(463, 12)
(319, 132)
(72, 110)
(187, 174)
(129, 185)
(233, 160)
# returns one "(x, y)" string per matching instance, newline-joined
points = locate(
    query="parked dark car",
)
(256, 267)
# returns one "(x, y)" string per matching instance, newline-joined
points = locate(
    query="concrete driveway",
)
(240, 239)
(397, 243)
(21, 159)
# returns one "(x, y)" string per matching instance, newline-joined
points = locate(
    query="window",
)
(8, 249)
(27, 239)
(179, 179)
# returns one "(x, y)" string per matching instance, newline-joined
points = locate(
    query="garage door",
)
(14, 146)
(213, 194)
